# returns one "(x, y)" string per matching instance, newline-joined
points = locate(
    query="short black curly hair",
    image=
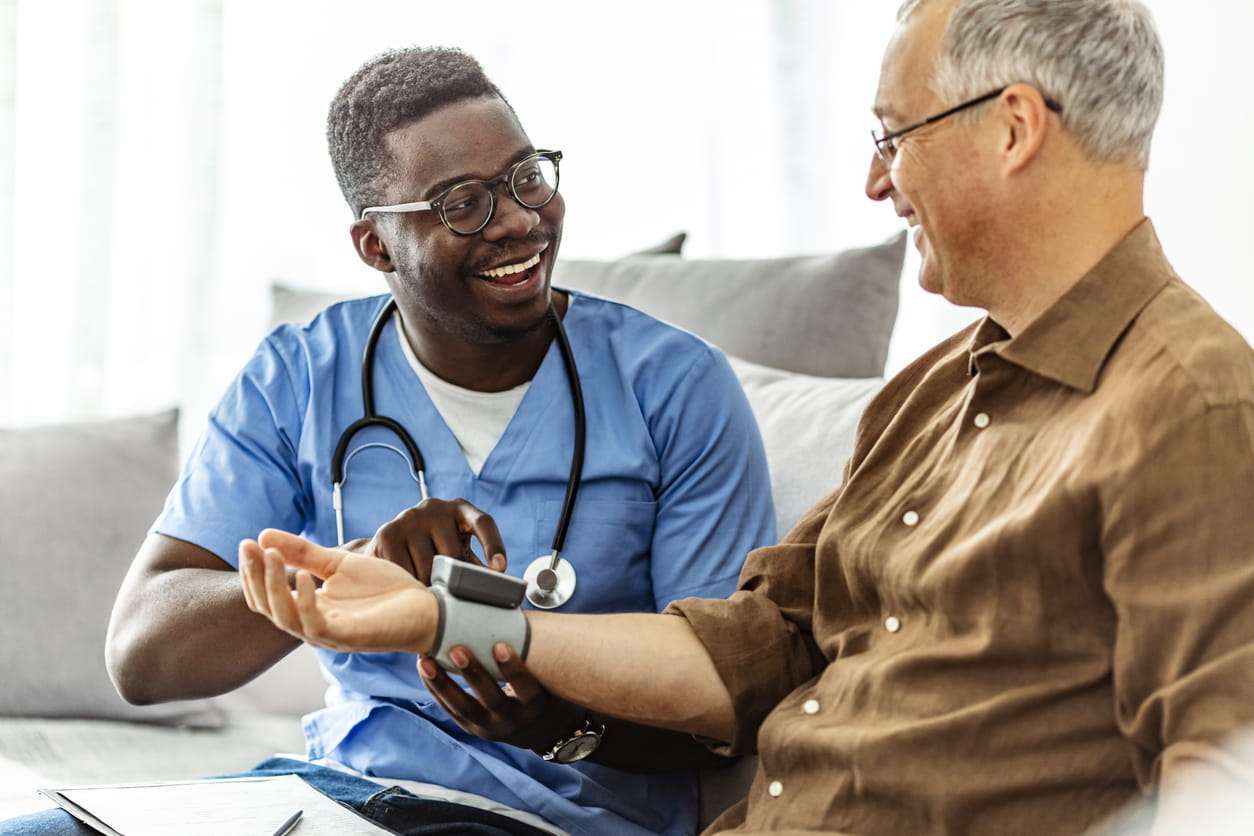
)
(388, 92)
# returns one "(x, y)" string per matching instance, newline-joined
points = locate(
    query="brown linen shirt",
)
(1032, 595)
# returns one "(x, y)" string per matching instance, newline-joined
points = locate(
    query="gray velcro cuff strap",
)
(477, 627)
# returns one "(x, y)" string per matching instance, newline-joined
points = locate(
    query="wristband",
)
(477, 627)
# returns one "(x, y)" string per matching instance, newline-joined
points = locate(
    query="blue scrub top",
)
(674, 494)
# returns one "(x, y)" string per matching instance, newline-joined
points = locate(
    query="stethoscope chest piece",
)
(550, 582)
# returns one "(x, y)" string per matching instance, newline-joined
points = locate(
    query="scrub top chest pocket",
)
(609, 544)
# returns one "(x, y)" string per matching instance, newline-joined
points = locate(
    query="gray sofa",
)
(808, 337)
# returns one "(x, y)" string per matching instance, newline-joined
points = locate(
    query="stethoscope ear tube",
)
(369, 417)
(558, 575)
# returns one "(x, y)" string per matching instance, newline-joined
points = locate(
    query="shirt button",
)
(910, 518)
(892, 624)
(982, 420)
(776, 789)
(810, 707)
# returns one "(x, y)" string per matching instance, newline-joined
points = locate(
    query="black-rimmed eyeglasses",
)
(467, 207)
(886, 144)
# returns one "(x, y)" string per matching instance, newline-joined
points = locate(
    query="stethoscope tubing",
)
(371, 418)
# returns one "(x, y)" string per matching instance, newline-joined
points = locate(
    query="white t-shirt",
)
(477, 419)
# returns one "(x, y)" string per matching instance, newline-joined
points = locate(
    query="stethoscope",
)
(550, 578)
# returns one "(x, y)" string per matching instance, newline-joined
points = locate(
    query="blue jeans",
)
(395, 809)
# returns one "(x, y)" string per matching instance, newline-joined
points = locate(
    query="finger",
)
(419, 533)
(279, 604)
(301, 553)
(306, 605)
(483, 527)
(448, 535)
(480, 681)
(421, 554)
(516, 673)
(249, 554)
(391, 545)
(462, 707)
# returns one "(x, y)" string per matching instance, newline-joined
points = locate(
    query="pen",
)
(286, 827)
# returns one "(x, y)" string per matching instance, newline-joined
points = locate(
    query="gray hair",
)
(1100, 59)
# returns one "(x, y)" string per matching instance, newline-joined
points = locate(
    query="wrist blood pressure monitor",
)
(478, 608)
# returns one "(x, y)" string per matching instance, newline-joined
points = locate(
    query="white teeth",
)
(511, 269)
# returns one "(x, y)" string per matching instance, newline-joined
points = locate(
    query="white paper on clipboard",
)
(213, 807)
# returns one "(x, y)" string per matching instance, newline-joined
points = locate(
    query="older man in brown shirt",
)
(1031, 600)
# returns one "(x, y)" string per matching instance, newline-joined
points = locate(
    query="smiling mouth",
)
(510, 273)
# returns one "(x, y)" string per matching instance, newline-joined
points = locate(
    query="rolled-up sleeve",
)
(760, 637)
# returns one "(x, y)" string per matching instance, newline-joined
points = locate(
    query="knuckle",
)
(429, 505)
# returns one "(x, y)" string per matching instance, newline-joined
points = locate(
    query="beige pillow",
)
(76, 501)
(808, 425)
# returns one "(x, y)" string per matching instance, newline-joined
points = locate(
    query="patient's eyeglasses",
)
(886, 144)
(467, 207)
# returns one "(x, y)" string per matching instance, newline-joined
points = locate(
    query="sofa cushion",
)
(75, 503)
(808, 425)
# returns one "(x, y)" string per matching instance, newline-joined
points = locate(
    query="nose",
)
(879, 182)
(510, 219)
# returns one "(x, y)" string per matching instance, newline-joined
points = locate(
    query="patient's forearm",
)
(644, 667)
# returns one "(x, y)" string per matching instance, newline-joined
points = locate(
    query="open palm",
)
(364, 604)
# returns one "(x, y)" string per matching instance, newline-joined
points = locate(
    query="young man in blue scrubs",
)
(673, 490)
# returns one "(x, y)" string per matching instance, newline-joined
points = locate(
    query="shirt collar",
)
(1071, 340)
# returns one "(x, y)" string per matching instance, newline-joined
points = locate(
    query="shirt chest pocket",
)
(609, 544)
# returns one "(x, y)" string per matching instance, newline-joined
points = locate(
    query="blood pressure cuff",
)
(477, 627)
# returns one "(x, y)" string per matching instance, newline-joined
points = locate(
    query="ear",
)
(1028, 125)
(370, 245)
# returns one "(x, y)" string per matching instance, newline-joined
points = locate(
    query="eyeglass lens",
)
(468, 206)
(885, 148)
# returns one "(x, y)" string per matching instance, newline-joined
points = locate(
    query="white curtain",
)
(109, 138)
(161, 163)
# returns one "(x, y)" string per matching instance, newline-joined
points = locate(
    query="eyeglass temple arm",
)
(416, 206)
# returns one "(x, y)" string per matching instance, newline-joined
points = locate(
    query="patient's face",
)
(939, 180)
(454, 285)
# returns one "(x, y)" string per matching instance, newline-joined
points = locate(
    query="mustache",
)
(506, 252)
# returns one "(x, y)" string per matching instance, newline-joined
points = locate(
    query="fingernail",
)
(426, 667)
(498, 562)
(501, 652)
(459, 657)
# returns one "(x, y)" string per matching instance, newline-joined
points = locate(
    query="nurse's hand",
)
(434, 526)
(522, 713)
(363, 605)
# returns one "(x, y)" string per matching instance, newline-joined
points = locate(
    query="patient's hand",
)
(434, 526)
(522, 714)
(363, 605)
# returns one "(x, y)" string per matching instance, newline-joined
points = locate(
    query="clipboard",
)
(249, 806)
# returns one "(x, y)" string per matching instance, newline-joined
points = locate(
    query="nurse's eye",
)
(464, 199)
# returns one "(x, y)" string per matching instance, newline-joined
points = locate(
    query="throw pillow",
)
(76, 501)
(829, 315)
(671, 246)
(808, 425)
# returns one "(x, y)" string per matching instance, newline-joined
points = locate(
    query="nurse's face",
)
(489, 287)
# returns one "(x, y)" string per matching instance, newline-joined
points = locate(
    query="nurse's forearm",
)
(180, 628)
(645, 667)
